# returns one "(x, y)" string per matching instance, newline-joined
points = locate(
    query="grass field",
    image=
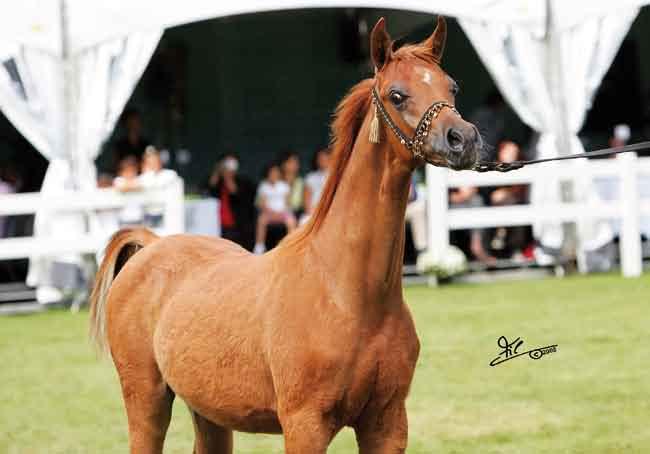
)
(592, 396)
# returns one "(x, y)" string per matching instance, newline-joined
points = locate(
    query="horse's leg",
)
(210, 438)
(383, 430)
(306, 432)
(148, 401)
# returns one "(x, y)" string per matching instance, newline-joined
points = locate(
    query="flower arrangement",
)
(450, 262)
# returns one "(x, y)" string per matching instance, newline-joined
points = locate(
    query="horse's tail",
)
(122, 246)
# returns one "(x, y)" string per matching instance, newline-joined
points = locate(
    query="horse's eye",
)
(397, 98)
(454, 89)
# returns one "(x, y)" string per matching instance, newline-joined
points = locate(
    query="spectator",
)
(106, 220)
(104, 180)
(490, 119)
(133, 144)
(290, 165)
(416, 217)
(621, 136)
(127, 181)
(509, 242)
(468, 197)
(315, 182)
(154, 176)
(273, 199)
(236, 201)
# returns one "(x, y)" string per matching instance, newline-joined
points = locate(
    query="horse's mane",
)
(348, 118)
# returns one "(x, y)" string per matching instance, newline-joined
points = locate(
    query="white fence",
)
(628, 209)
(90, 205)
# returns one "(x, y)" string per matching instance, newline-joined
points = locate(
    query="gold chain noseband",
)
(414, 145)
(422, 131)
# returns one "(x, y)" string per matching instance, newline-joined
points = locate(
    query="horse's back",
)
(196, 247)
(207, 324)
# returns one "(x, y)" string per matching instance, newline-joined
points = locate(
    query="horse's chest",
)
(384, 368)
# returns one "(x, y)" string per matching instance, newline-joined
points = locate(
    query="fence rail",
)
(628, 207)
(87, 205)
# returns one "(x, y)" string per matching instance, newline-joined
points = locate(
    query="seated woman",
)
(290, 165)
(154, 176)
(273, 203)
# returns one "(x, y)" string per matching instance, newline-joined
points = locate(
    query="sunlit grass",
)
(592, 396)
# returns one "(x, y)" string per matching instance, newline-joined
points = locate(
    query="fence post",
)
(582, 184)
(175, 208)
(437, 206)
(631, 260)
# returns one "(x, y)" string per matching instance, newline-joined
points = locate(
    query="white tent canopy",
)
(67, 67)
(37, 23)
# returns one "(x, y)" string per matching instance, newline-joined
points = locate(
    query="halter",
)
(414, 145)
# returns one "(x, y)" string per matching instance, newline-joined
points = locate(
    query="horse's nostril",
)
(455, 139)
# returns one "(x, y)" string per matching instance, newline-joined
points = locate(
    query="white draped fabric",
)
(101, 81)
(107, 75)
(549, 76)
(69, 130)
(36, 22)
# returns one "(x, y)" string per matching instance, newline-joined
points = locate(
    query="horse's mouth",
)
(465, 162)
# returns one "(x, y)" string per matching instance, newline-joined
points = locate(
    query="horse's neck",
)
(361, 239)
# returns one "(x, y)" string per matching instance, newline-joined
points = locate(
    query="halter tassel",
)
(374, 128)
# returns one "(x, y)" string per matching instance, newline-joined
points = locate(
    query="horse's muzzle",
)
(462, 146)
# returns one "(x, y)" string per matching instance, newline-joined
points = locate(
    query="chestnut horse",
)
(313, 335)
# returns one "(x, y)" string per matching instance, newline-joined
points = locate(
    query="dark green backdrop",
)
(258, 84)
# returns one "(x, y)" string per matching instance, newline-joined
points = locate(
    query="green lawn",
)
(592, 396)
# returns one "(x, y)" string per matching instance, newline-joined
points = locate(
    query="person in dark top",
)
(490, 119)
(510, 242)
(236, 196)
(133, 143)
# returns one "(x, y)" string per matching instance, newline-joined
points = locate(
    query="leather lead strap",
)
(508, 166)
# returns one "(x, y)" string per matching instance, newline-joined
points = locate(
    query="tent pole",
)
(563, 141)
(68, 94)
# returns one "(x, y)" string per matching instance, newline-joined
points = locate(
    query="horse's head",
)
(417, 96)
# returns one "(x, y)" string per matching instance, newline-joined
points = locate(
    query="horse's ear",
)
(436, 42)
(380, 45)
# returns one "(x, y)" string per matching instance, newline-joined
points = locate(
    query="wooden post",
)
(631, 260)
(437, 206)
(174, 218)
(583, 182)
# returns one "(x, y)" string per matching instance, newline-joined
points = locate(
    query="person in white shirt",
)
(127, 181)
(273, 202)
(154, 176)
(315, 182)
